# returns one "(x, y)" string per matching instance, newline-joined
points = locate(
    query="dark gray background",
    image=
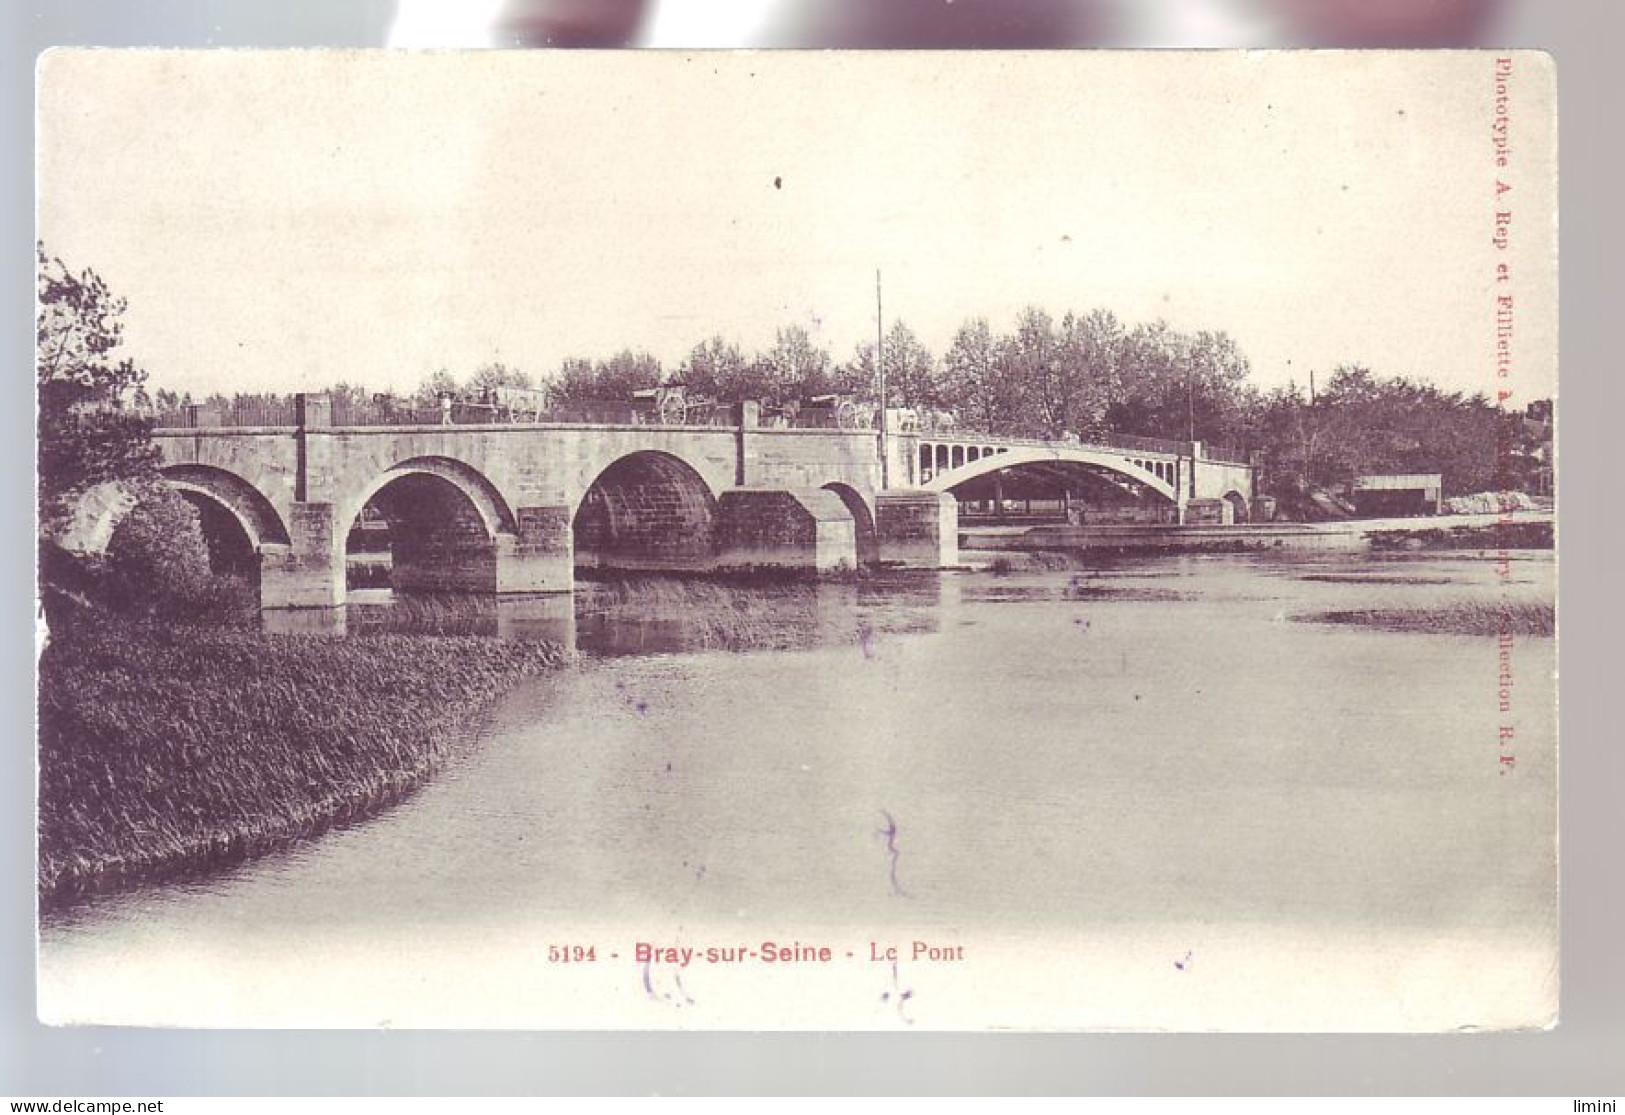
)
(1582, 1058)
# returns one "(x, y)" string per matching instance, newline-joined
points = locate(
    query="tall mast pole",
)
(880, 366)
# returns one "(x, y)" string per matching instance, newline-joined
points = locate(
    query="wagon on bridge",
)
(519, 404)
(495, 404)
(671, 404)
(840, 410)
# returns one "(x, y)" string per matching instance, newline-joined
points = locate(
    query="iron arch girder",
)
(1016, 458)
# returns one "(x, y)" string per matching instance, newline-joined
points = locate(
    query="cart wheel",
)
(846, 416)
(672, 411)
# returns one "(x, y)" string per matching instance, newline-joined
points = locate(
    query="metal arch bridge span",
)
(1014, 456)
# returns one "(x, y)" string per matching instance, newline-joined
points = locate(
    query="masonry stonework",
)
(513, 509)
(784, 528)
(918, 528)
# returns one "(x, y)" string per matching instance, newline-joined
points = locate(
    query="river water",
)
(1138, 796)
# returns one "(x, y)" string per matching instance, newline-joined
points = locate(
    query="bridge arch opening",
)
(235, 517)
(232, 551)
(863, 521)
(647, 510)
(1057, 490)
(426, 525)
(229, 494)
(1238, 506)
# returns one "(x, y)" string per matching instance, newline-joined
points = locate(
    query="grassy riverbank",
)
(167, 749)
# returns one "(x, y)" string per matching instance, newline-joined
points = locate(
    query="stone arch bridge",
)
(516, 508)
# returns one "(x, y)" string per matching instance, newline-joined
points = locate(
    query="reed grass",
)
(438, 614)
(712, 613)
(168, 750)
(1468, 618)
(1034, 561)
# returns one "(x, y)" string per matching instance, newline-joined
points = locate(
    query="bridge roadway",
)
(514, 509)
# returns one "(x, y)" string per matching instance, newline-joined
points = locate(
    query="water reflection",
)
(660, 615)
(619, 616)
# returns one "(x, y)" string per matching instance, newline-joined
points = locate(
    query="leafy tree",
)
(581, 381)
(488, 377)
(628, 371)
(576, 382)
(1089, 350)
(856, 376)
(911, 370)
(1151, 393)
(157, 553)
(979, 380)
(1364, 423)
(792, 369)
(436, 384)
(1034, 359)
(1175, 385)
(88, 431)
(716, 368)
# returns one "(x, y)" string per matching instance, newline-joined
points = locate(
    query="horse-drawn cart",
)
(838, 411)
(672, 404)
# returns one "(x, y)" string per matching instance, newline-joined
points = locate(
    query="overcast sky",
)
(285, 221)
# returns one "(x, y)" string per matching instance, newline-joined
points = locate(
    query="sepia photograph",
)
(801, 541)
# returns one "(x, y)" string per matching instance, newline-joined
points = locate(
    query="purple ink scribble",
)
(903, 994)
(666, 997)
(1186, 964)
(890, 833)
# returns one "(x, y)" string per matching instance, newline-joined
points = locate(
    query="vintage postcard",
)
(852, 541)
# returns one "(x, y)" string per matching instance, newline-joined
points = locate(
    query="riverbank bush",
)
(168, 749)
(155, 565)
(1003, 563)
(1495, 536)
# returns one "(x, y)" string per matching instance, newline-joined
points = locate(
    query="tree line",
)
(1082, 374)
